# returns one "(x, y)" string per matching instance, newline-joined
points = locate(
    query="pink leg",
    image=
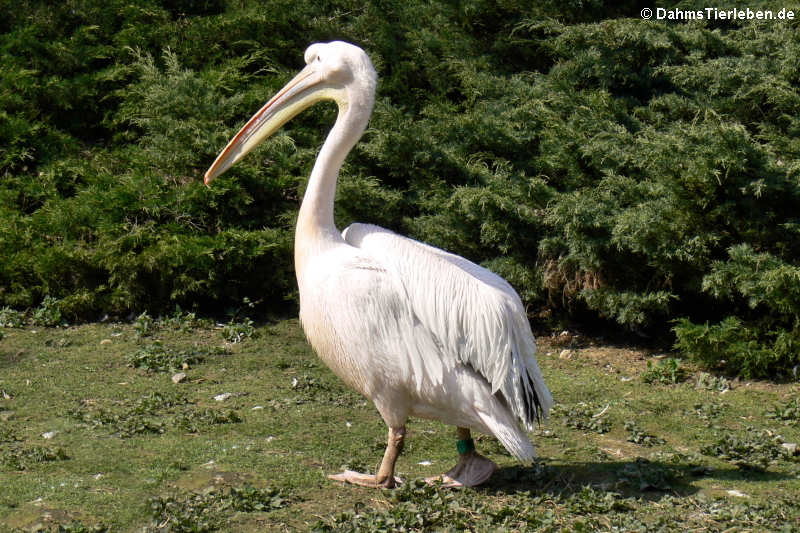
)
(385, 477)
(472, 468)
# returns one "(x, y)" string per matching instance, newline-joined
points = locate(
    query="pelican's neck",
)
(316, 230)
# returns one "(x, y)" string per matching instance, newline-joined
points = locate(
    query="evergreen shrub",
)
(640, 176)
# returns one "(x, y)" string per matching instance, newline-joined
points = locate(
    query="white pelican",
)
(419, 331)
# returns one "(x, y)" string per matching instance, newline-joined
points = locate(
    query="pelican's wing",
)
(475, 315)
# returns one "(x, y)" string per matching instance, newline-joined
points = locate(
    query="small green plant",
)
(48, 314)
(591, 501)
(234, 332)
(309, 384)
(155, 357)
(18, 458)
(249, 499)
(123, 425)
(639, 436)
(7, 435)
(707, 381)
(192, 420)
(415, 506)
(310, 388)
(646, 475)
(709, 411)
(754, 449)
(10, 318)
(153, 413)
(181, 320)
(144, 325)
(206, 512)
(235, 313)
(668, 372)
(148, 414)
(586, 418)
(788, 412)
(76, 526)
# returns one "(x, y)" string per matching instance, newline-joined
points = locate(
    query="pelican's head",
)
(336, 71)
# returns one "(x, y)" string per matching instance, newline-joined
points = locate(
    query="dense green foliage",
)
(637, 172)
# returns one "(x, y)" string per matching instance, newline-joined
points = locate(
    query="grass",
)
(96, 436)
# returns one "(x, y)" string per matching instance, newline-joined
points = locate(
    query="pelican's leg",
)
(394, 446)
(472, 468)
(385, 477)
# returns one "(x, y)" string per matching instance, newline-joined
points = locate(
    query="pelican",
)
(418, 331)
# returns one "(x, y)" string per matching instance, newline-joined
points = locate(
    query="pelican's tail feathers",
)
(511, 436)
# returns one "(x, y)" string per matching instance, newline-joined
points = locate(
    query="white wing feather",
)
(474, 315)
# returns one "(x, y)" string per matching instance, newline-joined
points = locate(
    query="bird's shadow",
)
(638, 478)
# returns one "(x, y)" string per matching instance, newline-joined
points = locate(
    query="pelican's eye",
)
(312, 54)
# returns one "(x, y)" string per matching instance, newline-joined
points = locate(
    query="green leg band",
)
(465, 446)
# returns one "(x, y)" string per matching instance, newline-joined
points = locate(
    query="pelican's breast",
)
(337, 293)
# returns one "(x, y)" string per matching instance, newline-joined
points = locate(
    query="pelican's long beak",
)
(304, 90)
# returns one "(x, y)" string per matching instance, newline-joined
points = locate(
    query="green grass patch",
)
(90, 441)
(667, 371)
(210, 510)
(787, 412)
(159, 358)
(19, 458)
